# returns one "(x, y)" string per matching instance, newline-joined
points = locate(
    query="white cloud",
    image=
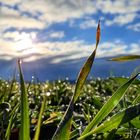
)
(59, 11)
(49, 12)
(135, 27)
(8, 12)
(88, 24)
(71, 50)
(15, 36)
(11, 2)
(123, 11)
(59, 34)
(122, 19)
(118, 6)
(20, 22)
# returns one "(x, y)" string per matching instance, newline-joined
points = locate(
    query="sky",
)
(34, 30)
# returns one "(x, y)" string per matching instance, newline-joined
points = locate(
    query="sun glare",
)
(24, 42)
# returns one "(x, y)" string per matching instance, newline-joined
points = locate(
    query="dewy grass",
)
(118, 119)
(25, 125)
(107, 108)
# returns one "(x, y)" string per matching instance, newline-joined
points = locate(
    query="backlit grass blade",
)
(25, 125)
(40, 119)
(117, 120)
(8, 130)
(63, 131)
(83, 74)
(109, 105)
(126, 58)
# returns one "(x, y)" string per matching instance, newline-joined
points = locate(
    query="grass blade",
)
(109, 105)
(40, 119)
(8, 130)
(126, 58)
(63, 130)
(83, 74)
(25, 125)
(117, 120)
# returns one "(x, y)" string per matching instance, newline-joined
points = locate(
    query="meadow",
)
(88, 109)
(95, 93)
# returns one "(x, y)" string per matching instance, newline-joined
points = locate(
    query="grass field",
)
(58, 94)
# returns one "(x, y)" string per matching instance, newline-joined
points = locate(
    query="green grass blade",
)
(25, 124)
(40, 119)
(109, 105)
(8, 130)
(63, 130)
(117, 120)
(121, 80)
(74, 134)
(136, 122)
(83, 74)
(126, 58)
(137, 99)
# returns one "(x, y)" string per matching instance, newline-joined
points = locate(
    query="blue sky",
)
(38, 29)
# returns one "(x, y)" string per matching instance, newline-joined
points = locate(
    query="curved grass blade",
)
(137, 99)
(8, 130)
(25, 124)
(63, 130)
(74, 134)
(126, 58)
(40, 119)
(121, 80)
(108, 106)
(117, 120)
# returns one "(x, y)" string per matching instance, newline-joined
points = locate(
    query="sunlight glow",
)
(24, 42)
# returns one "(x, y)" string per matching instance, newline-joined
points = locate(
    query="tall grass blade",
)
(25, 125)
(8, 130)
(126, 58)
(63, 130)
(40, 119)
(109, 105)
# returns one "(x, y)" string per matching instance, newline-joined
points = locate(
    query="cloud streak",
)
(71, 49)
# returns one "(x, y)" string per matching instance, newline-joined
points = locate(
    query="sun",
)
(23, 42)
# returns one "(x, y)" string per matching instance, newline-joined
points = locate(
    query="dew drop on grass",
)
(48, 93)
(108, 119)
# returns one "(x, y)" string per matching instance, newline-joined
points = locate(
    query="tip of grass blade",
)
(125, 58)
(98, 34)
